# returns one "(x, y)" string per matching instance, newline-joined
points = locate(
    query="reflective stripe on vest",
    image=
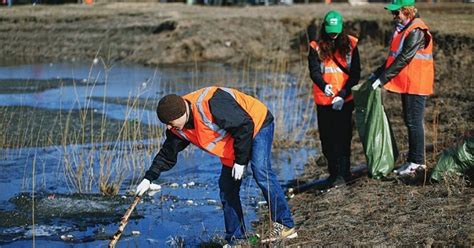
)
(333, 74)
(214, 127)
(209, 136)
(332, 70)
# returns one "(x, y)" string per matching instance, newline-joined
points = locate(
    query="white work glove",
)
(143, 187)
(328, 90)
(337, 103)
(238, 171)
(376, 84)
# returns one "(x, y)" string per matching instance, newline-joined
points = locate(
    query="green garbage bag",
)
(455, 160)
(374, 130)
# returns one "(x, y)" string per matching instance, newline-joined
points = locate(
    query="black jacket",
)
(413, 42)
(317, 77)
(228, 115)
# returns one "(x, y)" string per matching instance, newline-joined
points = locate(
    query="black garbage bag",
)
(374, 130)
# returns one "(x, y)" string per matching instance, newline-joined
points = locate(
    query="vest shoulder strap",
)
(353, 41)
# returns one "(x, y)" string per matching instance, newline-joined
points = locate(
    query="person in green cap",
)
(409, 71)
(334, 68)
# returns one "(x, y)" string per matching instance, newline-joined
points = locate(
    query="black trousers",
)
(335, 130)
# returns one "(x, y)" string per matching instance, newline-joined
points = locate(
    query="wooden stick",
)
(123, 223)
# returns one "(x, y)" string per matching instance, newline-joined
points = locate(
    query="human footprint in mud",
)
(238, 129)
(409, 71)
(334, 68)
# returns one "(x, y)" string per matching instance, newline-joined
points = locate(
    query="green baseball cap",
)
(333, 22)
(397, 4)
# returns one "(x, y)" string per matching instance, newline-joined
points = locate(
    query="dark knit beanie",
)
(170, 108)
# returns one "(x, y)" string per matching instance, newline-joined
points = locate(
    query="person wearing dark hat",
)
(239, 130)
(334, 68)
(409, 71)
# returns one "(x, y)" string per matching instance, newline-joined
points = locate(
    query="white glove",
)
(238, 171)
(143, 187)
(328, 90)
(376, 84)
(337, 103)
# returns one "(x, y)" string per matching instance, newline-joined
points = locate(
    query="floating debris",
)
(100, 230)
(153, 241)
(154, 188)
(67, 237)
(168, 197)
(174, 185)
(261, 204)
(136, 233)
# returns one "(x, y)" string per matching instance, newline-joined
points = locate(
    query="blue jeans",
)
(413, 112)
(261, 164)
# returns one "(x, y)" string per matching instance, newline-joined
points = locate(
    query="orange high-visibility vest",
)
(418, 76)
(332, 74)
(210, 137)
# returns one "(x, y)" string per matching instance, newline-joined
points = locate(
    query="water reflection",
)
(189, 212)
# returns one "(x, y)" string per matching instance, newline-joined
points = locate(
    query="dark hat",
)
(170, 108)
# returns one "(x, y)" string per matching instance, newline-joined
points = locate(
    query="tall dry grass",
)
(100, 154)
(286, 93)
(107, 165)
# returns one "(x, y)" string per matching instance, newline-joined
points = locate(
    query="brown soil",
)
(151, 33)
(369, 212)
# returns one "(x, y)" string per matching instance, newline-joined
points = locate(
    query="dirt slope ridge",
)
(152, 33)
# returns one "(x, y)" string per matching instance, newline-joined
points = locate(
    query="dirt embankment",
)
(151, 33)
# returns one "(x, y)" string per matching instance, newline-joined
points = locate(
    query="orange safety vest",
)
(418, 76)
(210, 137)
(332, 74)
